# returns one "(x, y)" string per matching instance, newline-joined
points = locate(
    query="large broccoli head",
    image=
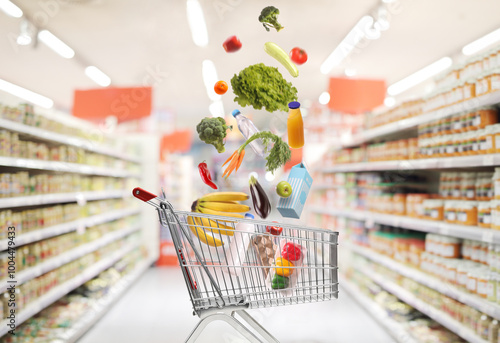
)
(269, 18)
(213, 131)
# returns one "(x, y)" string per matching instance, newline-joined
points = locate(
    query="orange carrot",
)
(232, 165)
(240, 159)
(230, 157)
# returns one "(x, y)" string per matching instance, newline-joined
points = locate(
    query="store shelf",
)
(63, 139)
(488, 160)
(63, 167)
(60, 260)
(461, 231)
(411, 123)
(61, 290)
(432, 312)
(104, 304)
(394, 328)
(59, 229)
(55, 198)
(482, 305)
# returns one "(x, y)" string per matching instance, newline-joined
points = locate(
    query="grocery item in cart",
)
(301, 182)
(248, 129)
(217, 295)
(289, 260)
(261, 203)
(295, 126)
(239, 245)
(265, 249)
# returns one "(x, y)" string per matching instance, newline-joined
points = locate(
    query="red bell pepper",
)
(291, 252)
(232, 44)
(205, 175)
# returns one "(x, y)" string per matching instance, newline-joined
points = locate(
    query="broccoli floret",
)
(269, 18)
(213, 131)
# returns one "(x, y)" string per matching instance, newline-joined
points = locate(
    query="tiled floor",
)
(157, 310)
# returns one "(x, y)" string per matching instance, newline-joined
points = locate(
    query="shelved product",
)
(57, 292)
(67, 192)
(396, 329)
(23, 120)
(438, 315)
(71, 316)
(431, 162)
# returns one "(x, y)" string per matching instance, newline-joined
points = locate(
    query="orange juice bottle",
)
(295, 126)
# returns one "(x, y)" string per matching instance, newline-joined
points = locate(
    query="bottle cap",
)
(294, 104)
(235, 113)
(249, 215)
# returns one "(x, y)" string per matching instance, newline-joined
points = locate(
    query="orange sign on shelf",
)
(295, 159)
(177, 141)
(123, 103)
(355, 95)
(168, 257)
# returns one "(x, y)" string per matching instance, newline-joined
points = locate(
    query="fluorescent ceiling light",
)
(270, 176)
(209, 74)
(389, 101)
(10, 9)
(97, 76)
(481, 43)
(419, 76)
(23, 39)
(196, 21)
(25, 94)
(347, 44)
(349, 72)
(324, 98)
(55, 44)
(216, 109)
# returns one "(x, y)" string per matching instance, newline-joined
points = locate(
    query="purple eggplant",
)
(261, 203)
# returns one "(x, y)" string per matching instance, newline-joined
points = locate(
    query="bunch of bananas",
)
(219, 204)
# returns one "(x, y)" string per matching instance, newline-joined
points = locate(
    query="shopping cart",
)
(232, 264)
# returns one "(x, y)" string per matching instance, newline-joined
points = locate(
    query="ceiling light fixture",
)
(347, 44)
(25, 94)
(10, 9)
(216, 109)
(481, 43)
(349, 72)
(97, 76)
(209, 74)
(55, 44)
(389, 101)
(420, 76)
(324, 98)
(25, 33)
(197, 24)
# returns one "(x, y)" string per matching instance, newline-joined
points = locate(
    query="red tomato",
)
(220, 87)
(298, 55)
(232, 44)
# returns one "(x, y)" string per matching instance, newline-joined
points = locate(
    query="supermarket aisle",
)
(157, 310)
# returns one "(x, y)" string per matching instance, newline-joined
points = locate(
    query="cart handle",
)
(143, 195)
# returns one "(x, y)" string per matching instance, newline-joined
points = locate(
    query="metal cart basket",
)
(232, 264)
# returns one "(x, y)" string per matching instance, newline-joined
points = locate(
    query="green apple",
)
(284, 189)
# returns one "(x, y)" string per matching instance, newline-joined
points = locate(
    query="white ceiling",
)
(131, 39)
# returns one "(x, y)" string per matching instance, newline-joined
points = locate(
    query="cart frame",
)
(223, 281)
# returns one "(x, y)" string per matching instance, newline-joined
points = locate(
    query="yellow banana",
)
(282, 57)
(224, 206)
(210, 225)
(218, 213)
(224, 196)
(202, 235)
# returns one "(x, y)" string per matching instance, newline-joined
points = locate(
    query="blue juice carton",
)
(301, 182)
